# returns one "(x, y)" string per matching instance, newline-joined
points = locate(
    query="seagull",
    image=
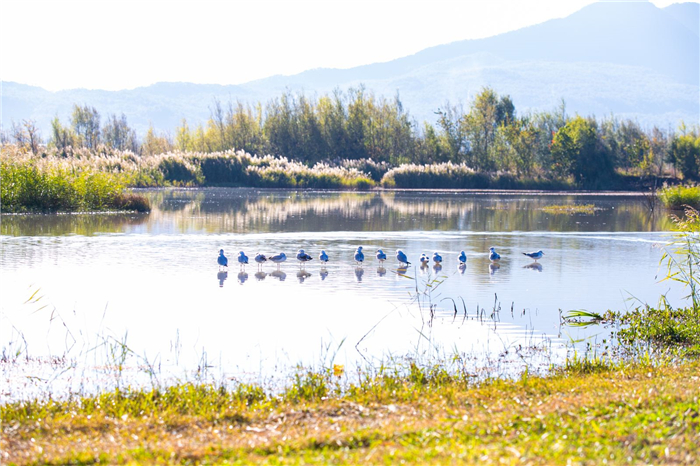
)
(494, 256)
(359, 256)
(437, 258)
(534, 255)
(381, 256)
(323, 257)
(462, 257)
(278, 259)
(401, 257)
(424, 260)
(303, 257)
(223, 262)
(260, 259)
(242, 259)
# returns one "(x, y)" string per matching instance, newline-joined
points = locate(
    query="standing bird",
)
(424, 260)
(323, 257)
(401, 257)
(437, 258)
(534, 255)
(303, 258)
(381, 256)
(359, 256)
(242, 259)
(223, 262)
(278, 259)
(462, 257)
(494, 256)
(260, 259)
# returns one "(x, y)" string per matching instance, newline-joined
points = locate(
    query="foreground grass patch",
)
(625, 414)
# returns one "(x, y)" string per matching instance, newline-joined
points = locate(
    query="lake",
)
(86, 296)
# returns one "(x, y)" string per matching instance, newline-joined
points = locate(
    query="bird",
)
(278, 259)
(424, 260)
(437, 258)
(222, 260)
(260, 259)
(242, 259)
(303, 257)
(359, 256)
(494, 256)
(381, 255)
(534, 255)
(401, 257)
(462, 257)
(323, 257)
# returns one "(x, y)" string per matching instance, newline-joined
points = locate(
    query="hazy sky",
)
(106, 44)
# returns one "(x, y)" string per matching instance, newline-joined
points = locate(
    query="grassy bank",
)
(30, 185)
(677, 197)
(585, 414)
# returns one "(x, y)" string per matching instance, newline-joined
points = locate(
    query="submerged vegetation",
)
(588, 209)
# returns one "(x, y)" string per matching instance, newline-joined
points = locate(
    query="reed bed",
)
(677, 197)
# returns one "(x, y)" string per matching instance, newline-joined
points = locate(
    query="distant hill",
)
(630, 59)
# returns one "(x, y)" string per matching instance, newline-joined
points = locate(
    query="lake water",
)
(93, 290)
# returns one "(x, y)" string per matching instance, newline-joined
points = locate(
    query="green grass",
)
(677, 197)
(631, 413)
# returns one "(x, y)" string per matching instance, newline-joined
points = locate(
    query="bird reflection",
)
(402, 270)
(303, 275)
(323, 273)
(359, 271)
(381, 271)
(242, 277)
(437, 267)
(534, 266)
(278, 274)
(462, 267)
(260, 276)
(221, 276)
(493, 267)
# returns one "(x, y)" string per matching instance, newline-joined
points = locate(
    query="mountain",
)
(630, 59)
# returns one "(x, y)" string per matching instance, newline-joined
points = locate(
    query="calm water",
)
(90, 286)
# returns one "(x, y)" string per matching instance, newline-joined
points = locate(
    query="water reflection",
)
(359, 272)
(279, 275)
(303, 275)
(534, 266)
(221, 276)
(437, 267)
(494, 267)
(260, 276)
(462, 267)
(242, 210)
(381, 271)
(242, 277)
(323, 273)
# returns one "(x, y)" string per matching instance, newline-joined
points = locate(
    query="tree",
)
(26, 135)
(86, 125)
(118, 135)
(575, 151)
(62, 138)
(685, 153)
(155, 143)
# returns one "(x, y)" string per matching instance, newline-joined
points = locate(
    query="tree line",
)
(488, 135)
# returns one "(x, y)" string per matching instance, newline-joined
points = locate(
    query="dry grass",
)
(627, 415)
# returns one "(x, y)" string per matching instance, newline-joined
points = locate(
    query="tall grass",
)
(676, 197)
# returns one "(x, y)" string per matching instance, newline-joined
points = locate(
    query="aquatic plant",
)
(570, 209)
(677, 197)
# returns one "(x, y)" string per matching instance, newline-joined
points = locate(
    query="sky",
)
(114, 45)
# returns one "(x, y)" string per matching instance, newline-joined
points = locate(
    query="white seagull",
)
(424, 260)
(260, 259)
(494, 256)
(323, 257)
(359, 256)
(534, 255)
(401, 257)
(278, 259)
(242, 259)
(303, 257)
(381, 256)
(437, 258)
(462, 257)
(223, 262)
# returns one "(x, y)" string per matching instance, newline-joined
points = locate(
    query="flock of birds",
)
(359, 257)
